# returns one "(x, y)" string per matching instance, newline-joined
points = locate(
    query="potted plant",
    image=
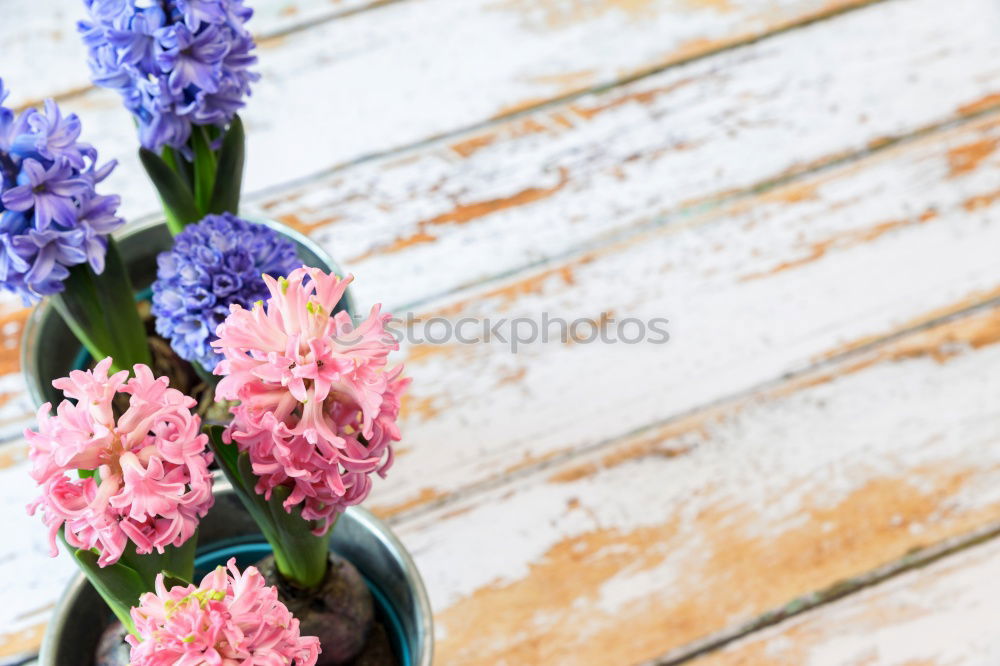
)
(170, 309)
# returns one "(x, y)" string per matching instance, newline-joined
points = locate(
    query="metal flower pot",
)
(49, 351)
(81, 615)
(48, 348)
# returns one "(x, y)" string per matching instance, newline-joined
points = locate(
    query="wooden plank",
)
(757, 289)
(514, 200)
(43, 55)
(556, 180)
(686, 530)
(852, 242)
(511, 53)
(28, 594)
(380, 80)
(943, 615)
(645, 545)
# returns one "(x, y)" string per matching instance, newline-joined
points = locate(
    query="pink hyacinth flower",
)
(150, 483)
(318, 406)
(230, 618)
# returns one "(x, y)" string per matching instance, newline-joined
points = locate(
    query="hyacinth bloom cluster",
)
(150, 482)
(51, 217)
(176, 63)
(214, 264)
(318, 404)
(231, 618)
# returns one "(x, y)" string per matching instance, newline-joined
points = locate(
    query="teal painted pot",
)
(49, 350)
(228, 531)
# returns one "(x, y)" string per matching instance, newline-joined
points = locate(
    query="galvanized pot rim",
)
(423, 652)
(45, 309)
(359, 516)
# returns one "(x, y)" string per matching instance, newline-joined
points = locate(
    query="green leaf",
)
(101, 312)
(229, 173)
(179, 164)
(174, 192)
(170, 579)
(204, 168)
(119, 585)
(300, 555)
(225, 454)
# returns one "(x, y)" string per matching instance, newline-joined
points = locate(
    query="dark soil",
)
(112, 650)
(341, 613)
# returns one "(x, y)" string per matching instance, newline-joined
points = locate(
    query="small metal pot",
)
(48, 348)
(81, 615)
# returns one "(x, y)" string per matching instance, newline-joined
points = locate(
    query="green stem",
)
(100, 310)
(179, 166)
(300, 556)
(122, 584)
(204, 168)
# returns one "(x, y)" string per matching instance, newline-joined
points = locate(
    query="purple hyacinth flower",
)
(175, 63)
(51, 136)
(136, 45)
(53, 251)
(214, 264)
(51, 217)
(197, 12)
(49, 191)
(191, 59)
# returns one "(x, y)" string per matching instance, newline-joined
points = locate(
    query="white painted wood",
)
(678, 533)
(545, 184)
(640, 547)
(32, 581)
(618, 168)
(675, 529)
(752, 291)
(43, 55)
(943, 615)
(383, 79)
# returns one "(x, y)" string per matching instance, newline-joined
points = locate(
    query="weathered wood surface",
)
(401, 74)
(513, 53)
(590, 503)
(794, 305)
(43, 56)
(698, 526)
(939, 616)
(756, 289)
(541, 185)
(552, 181)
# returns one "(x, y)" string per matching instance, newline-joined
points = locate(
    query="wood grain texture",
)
(596, 503)
(754, 290)
(32, 582)
(544, 184)
(685, 530)
(43, 55)
(380, 80)
(551, 182)
(944, 615)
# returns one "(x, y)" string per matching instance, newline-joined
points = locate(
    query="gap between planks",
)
(912, 561)
(525, 110)
(940, 614)
(467, 493)
(687, 217)
(709, 523)
(263, 38)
